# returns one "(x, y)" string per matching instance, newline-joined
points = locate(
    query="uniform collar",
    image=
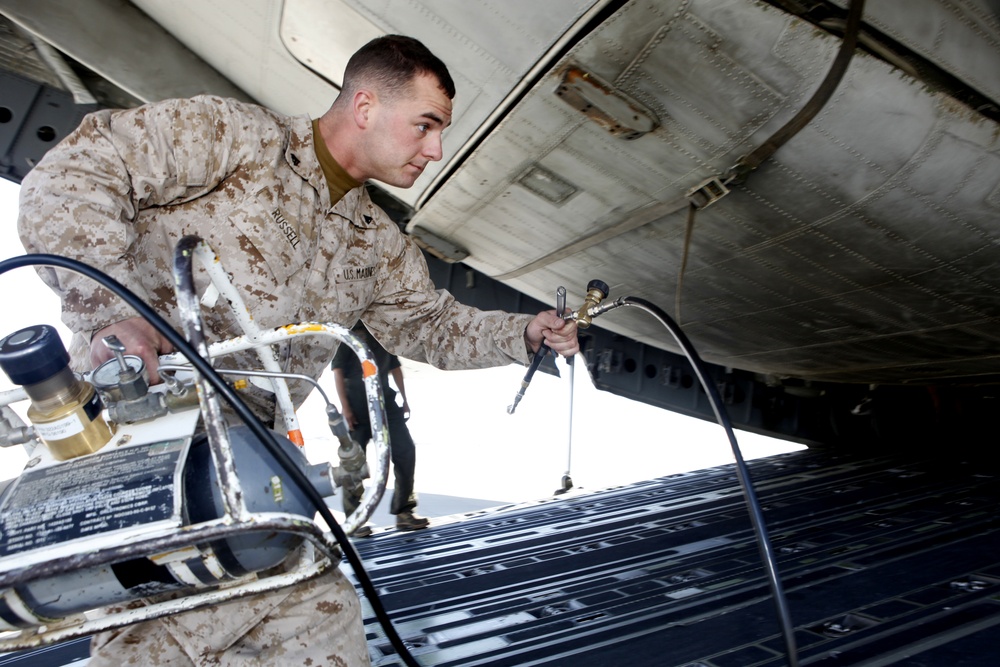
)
(301, 158)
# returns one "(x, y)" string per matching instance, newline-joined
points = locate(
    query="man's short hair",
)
(390, 63)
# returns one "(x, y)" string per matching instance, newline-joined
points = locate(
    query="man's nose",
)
(433, 149)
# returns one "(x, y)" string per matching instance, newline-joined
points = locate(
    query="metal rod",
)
(177, 368)
(233, 503)
(267, 354)
(373, 389)
(569, 439)
(566, 483)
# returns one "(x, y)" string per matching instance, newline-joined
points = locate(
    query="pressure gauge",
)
(121, 378)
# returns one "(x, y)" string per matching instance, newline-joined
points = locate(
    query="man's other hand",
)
(140, 339)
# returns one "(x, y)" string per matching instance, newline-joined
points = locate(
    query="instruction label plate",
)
(100, 493)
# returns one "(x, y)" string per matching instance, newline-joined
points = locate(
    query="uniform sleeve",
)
(83, 199)
(414, 320)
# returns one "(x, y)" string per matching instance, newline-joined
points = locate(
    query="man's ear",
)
(364, 103)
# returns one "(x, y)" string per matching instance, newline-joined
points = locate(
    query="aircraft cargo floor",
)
(883, 560)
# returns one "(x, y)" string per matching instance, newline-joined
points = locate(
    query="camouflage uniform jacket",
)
(120, 191)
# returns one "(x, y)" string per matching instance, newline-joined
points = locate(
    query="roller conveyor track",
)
(880, 558)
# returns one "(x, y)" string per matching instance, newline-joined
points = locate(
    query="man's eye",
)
(423, 127)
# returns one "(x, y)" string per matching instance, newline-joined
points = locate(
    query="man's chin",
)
(402, 183)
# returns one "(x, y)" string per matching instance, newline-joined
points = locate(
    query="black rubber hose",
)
(742, 472)
(242, 411)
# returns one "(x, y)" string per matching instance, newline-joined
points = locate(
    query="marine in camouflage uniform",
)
(249, 182)
(120, 192)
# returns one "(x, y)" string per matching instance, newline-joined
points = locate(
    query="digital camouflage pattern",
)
(121, 190)
(118, 194)
(316, 624)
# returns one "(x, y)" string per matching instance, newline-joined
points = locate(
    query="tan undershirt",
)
(337, 179)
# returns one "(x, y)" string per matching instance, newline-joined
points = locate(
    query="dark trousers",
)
(402, 451)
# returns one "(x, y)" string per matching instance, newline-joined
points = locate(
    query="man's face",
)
(406, 134)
